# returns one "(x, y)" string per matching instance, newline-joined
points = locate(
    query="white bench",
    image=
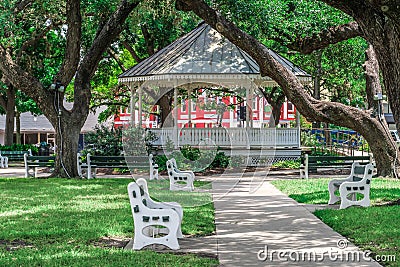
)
(177, 169)
(148, 216)
(179, 180)
(358, 182)
(161, 205)
(153, 168)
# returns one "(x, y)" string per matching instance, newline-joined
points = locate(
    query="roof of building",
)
(33, 123)
(203, 53)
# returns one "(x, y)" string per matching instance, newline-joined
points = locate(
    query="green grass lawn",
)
(376, 228)
(59, 222)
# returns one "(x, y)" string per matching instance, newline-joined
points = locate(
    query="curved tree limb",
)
(72, 51)
(24, 80)
(36, 37)
(325, 38)
(103, 40)
(131, 51)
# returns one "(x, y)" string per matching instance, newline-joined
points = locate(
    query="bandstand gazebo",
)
(203, 57)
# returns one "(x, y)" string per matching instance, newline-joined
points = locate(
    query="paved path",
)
(248, 223)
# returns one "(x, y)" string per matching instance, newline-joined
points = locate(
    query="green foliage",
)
(221, 160)
(287, 164)
(137, 141)
(20, 147)
(63, 221)
(190, 153)
(309, 140)
(188, 157)
(103, 141)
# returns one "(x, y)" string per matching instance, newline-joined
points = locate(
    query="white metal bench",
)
(358, 182)
(177, 169)
(161, 205)
(179, 180)
(149, 216)
(153, 168)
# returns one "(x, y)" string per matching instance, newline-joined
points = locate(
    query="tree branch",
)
(72, 51)
(19, 78)
(36, 37)
(148, 39)
(131, 51)
(116, 58)
(21, 5)
(373, 85)
(103, 40)
(312, 109)
(325, 38)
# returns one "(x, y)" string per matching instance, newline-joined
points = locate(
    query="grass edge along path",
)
(375, 228)
(59, 222)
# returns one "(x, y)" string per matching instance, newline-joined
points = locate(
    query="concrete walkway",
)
(267, 228)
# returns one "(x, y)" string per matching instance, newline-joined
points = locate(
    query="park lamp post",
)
(379, 98)
(57, 86)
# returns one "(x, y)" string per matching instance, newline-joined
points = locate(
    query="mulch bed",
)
(14, 244)
(110, 242)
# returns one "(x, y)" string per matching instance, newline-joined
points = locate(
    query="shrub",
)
(20, 147)
(289, 164)
(103, 141)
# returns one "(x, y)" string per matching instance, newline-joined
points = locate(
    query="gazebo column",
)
(247, 107)
(261, 111)
(298, 128)
(140, 108)
(176, 129)
(189, 91)
(132, 105)
(251, 106)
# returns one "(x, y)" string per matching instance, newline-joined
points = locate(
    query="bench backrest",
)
(137, 198)
(39, 161)
(313, 159)
(360, 172)
(106, 160)
(17, 154)
(120, 161)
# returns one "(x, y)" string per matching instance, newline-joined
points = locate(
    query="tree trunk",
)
(165, 108)
(10, 114)
(18, 127)
(276, 114)
(67, 138)
(317, 83)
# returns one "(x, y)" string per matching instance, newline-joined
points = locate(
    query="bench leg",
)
(332, 197)
(30, 172)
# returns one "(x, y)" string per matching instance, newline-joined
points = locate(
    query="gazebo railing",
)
(229, 137)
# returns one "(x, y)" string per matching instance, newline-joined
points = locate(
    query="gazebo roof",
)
(203, 55)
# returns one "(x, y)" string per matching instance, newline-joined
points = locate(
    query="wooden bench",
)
(6, 156)
(34, 162)
(116, 162)
(312, 163)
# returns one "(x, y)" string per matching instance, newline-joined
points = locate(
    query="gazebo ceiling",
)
(203, 56)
